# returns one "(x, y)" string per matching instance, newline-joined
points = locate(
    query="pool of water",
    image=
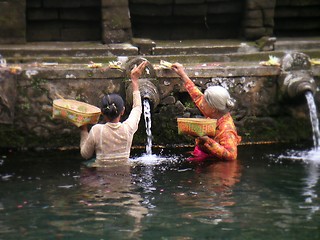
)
(271, 192)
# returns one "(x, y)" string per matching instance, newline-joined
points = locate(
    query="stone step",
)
(155, 59)
(194, 70)
(192, 51)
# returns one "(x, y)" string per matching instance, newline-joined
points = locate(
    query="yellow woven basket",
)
(78, 113)
(197, 126)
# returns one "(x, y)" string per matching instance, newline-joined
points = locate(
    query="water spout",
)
(147, 90)
(296, 77)
(149, 95)
(147, 87)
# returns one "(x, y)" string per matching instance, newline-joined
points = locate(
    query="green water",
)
(48, 195)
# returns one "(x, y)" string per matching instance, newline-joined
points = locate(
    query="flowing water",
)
(314, 119)
(312, 154)
(50, 195)
(147, 120)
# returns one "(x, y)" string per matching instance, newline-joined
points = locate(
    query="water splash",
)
(153, 159)
(313, 154)
(314, 119)
(147, 120)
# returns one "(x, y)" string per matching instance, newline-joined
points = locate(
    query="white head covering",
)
(219, 98)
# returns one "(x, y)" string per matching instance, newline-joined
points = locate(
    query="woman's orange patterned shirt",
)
(224, 144)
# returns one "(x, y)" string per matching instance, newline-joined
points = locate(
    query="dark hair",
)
(112, 106)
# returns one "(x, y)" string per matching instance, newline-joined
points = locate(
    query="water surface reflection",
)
(263, 195)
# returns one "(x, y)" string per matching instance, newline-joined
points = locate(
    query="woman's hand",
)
(179, 69)
(136, 73)
(202, 140)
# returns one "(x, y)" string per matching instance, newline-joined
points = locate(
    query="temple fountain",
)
(269, 105)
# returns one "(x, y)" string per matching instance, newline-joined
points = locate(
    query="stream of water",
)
(147, 119)
(314, 119)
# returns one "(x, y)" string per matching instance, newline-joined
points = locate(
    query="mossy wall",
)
(261, 113)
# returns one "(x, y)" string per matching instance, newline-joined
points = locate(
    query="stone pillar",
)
(13, 21)
(116, 23)
(259, 18)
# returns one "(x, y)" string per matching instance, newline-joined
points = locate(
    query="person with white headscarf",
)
(214, 103)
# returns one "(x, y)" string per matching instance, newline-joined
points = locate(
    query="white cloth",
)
(112, 141)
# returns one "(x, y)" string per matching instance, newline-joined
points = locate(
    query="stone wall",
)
(59, 20)
(116, 23)
(111, 21)
(297, 18)
(259, 18)
(12, 21)
(260, 115)
(186, 19)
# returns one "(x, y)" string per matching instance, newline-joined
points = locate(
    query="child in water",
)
(214, 103)
(112, 141)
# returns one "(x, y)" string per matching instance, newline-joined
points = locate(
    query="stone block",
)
(116, 18)
(114, 3)
(158, 2)
(255, 23)
(34, 3)
(253, 14)
(190, 10)
(268, 19)
(251, 33)
(298, 3)
(71, 3)
(224, 7)
(284, 12)
(170, 100)
(42, 14)
(144, 45)
(189, 1)
(80, 14)
(260, 4)
(116, 36)
(12, 21)
(43, 34)
(151, 10)
(80, 34)
(215, 1)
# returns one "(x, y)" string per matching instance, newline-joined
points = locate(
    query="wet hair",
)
(112, 106)
(219, 98)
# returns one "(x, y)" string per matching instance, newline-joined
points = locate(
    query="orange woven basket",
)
(197, 126)
(78, 113)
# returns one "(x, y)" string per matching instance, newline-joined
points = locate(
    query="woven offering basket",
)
(78, 113)
(197, 126)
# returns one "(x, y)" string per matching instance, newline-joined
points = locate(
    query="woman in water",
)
(214, 103)
(112, 141)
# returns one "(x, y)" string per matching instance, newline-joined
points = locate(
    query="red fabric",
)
(224, 144)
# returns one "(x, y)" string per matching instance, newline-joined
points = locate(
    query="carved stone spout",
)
(147, 86)
(148, 90)
(297, 77)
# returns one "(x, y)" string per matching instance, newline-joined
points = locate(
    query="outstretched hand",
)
(136, 73)
(179, 69)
